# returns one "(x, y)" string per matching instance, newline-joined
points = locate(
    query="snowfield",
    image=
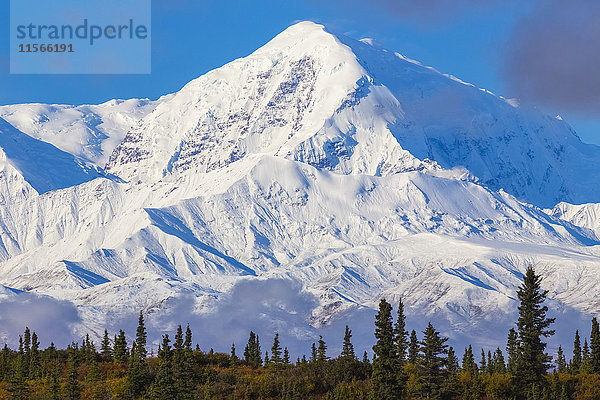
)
(346, 169)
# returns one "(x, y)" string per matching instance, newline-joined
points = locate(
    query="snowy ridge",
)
(42, 165)
(583, 215)
(90, 132)
(349, 107)
(348, 169)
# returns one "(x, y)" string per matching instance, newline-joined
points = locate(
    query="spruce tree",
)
(140, 339)
(322, 350)
(137, 373)
(469, 366)
(88, 350)
(313, 353)
(183, 369)
(257, 353)
(135, 379)
(490, 363)
(121, 353)
(413, 348)
(499, 365)
(286, 356)
(451, 387)
(187, 343)
(561, 362)
(533, 325)
(55, 380)
(232, 356)
(233, 359)
(576, 360)
(188, 363)
(178, 358)
(18, 387)
(385, 384)
(26, 352)
(34, 358)
(512, 349)
(163, 386)
(276, 360)
(432, 361)
(595, 346)
(482, 363)
(401, 334)
(72, 389)
(347, 347)
(106, 349)
(586, 362)
(452, 361)
(252, 352)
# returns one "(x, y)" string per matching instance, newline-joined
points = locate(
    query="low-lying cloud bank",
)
(265, 306)
(51, 319)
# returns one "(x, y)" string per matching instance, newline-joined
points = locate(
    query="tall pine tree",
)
(413, 348)
(401, 335)
(347, 347)
(106, 350)
(137, 373)
(499, 365)
(595, 346)
(252, 352)
(385, 382)
(276, 361)
(576, 360)
(469, 366)
(73, 390)
(121, 353)
(432, 362)
(512, 349)
(533, 325)
(322, 350)
(561, 362)
(163, 386)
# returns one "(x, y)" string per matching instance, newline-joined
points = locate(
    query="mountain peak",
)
(302, 39)
(353, 107)
(303, 28)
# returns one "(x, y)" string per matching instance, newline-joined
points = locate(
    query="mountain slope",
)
(349, 107)
(345, 168)
(346, 238)
(90, 132)
(583, 215)
(42, 165)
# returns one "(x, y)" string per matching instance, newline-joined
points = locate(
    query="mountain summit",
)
(346, 168)
(352, 108)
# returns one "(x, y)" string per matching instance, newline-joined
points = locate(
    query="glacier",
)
(346, 169)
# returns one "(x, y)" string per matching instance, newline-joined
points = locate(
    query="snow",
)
(42, 165)
(583, 215)
(90, 132)
(345, 168)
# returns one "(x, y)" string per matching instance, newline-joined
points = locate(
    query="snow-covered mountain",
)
(40, 164)
(350, 170)
(90, 132)
(584, 215)
(352, 108)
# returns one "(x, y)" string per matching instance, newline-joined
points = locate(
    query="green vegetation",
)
(403, 367)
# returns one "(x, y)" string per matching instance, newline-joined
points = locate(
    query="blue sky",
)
(191, 37)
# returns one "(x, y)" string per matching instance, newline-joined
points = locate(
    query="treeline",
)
(404, 366)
